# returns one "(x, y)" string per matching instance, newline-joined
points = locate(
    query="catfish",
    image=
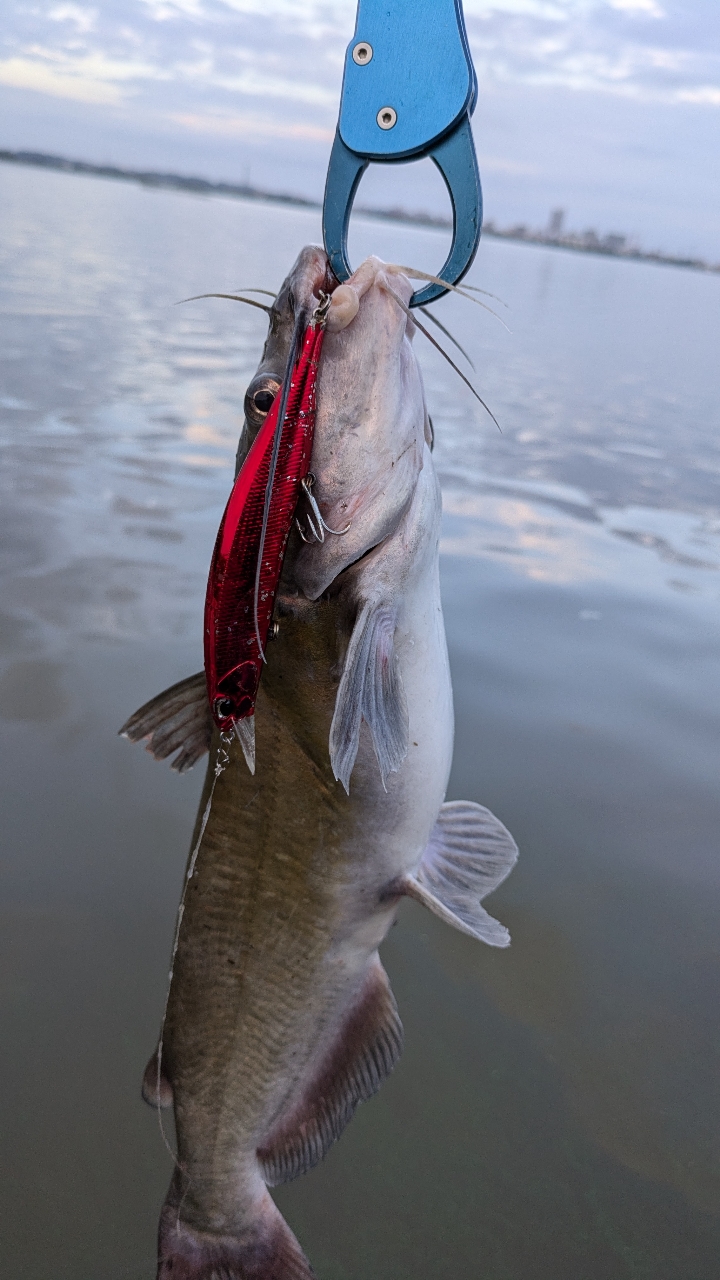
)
(280, 1019)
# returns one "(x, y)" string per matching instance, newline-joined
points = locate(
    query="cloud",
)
(705, 95)
(249, 126)
(87, 77)
(285, 51)
(647, 8)
(608, 46)
(26, 73)
(83, 20)
(256, 84)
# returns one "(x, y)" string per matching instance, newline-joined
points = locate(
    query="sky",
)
(609, 109)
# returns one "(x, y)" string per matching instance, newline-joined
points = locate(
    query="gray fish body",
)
(280, 1019)
(293, 892)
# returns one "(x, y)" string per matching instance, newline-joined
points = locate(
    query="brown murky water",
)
(555, 1116)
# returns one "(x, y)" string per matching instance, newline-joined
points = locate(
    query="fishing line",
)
(300, 325)
(221, 763)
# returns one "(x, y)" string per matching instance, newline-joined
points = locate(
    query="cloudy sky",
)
(609, 108)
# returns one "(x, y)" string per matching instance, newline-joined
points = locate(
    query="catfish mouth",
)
(360, 559)
(292, 601)
(304, 292)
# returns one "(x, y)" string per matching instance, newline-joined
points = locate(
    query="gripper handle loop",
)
(454, 155)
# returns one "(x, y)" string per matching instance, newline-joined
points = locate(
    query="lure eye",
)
(259, 397)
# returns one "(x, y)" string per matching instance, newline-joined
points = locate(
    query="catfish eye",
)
(263, 401)
(259, 397)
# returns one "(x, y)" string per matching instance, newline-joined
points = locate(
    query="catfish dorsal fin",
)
(179, 717)
(371, 687)
(367, 1047)
(468, 855)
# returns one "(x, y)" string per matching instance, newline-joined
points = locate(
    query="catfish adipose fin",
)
(157, 1093)
(179, 719)
(371, 688)
(468, 855)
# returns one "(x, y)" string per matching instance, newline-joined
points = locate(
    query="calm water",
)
(555, 1116)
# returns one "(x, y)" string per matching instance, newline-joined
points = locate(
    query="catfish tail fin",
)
(266, 1249)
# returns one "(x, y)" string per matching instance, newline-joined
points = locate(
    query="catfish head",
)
(371, 420)
(370, 427)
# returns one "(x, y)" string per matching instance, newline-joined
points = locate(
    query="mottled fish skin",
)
(280, 1018)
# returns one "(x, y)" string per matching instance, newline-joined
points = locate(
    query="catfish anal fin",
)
(367, 1048)
(179, 717)
(468, 855)
(371, 687)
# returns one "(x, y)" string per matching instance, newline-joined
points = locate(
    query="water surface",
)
(555, 1115)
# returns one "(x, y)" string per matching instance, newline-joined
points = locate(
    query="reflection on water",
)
(555, 1114)
(546, 535)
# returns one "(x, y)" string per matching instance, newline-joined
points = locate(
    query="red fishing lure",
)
(233, 656)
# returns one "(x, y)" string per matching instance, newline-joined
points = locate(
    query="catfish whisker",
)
(414, 274)
(447, 333)
(449, 359)
(476, 289)
(234, 297)
(242, 288)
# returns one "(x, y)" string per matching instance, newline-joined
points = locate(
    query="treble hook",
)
(322, 528)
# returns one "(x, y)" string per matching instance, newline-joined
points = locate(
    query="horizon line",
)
(610, 247)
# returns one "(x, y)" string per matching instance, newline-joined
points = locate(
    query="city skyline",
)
(555, 233)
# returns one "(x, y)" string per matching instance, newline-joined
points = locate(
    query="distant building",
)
(556, 224)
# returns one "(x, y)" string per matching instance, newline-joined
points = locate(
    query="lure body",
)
(235, 631)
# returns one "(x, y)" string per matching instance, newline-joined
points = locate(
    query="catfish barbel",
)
(280, 1018)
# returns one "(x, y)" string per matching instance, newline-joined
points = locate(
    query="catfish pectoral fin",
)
(468, 855)
(368, 1046)
(371, 687)
(265, 1250)
(179, 717)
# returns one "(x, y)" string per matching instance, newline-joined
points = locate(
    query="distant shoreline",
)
(609, 247)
